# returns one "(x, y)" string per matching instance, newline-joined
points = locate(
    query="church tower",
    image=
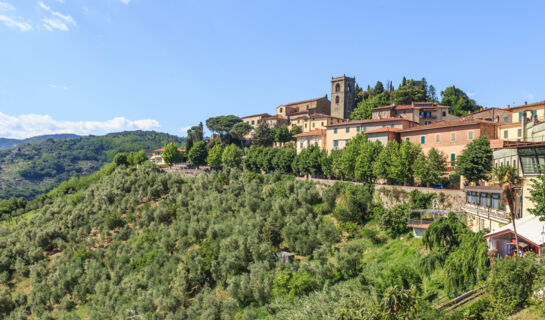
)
(343, 96)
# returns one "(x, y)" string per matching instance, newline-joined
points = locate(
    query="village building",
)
(530, 233)
(421, 112)
(449, 137)
(339, 134)
(497, 115)
(314, 137)
(536, 109)
(156, 156)
(317, 105)
(310, 122)
(343, 96)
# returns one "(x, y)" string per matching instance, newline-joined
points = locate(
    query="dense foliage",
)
(475, 162)
(409, 91)
(31, 169)
(134, 242)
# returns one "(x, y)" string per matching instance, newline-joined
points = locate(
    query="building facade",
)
(423, 113)
(319, 105)
(339, 134)
(310, 122)
(315, 137)
(449, 137)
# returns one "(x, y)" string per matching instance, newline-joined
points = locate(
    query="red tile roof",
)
(257, 115)
(304, 114)
(385, 129)
(352, 122)
(304, 101)
(450, 123)
(527, 105)
(317, 132)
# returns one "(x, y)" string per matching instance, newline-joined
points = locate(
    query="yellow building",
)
(421, 112)
(536, 109)
(310, 122)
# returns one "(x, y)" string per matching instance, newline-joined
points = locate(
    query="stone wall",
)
(447, 199)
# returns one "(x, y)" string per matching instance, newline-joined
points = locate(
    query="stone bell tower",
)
(343, 96)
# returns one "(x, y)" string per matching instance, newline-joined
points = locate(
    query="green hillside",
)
(137, 243)
(34, 168)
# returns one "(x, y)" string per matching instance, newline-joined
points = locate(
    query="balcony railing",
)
(487, 212)
(423, 221)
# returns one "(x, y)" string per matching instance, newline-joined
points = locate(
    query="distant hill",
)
(29, 169)
(6, 143)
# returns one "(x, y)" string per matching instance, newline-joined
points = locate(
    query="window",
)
(347, 88)
(520, 116)
(507, 162)
(335, 143)
(437, 138)
(453, 137)
(505, 134)
(337, 99)
(281, 110)
(427, 122)
(444, 113)
(403, 111)
(337, 88)
(519, 132)
(391, 126)
(301, 145)
(364, 128)
(358, 129)
(407, 139)
(253, 122)
(313, 125)
(452, 159)
(347, 129)
(515, 163)
(335, 131)
(470, 135)
(322, 123)
(505, 118)
(423, 140)
(305, 125)
(534, 113)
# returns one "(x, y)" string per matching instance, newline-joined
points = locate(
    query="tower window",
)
(337, 99)
(337, 87)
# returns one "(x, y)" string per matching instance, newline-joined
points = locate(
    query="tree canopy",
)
(475, 162)
(458, 101)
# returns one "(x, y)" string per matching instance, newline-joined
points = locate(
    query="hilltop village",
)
(516, 135)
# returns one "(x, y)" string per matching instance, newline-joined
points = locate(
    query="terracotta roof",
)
(352, 122)
(312, 115)
(276, 117)
(385, 129)
(304, 101)
(487, 109)
(317, 132)
(450, 123)
(527, 105)
(257, 115)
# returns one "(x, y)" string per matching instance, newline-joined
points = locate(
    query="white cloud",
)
(58, 20)
(4, 6)
(52, 85)
(44, 6)
(51, 24)
(18, 23)
(29, 125)
(126, 1)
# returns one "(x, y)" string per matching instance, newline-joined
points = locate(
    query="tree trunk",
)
(509, 195)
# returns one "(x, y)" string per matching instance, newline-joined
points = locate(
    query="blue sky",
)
(96, 66)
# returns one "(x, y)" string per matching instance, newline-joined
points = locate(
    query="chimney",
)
(525, 102)
(508, 106)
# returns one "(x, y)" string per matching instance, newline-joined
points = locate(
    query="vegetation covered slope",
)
(137, 243)
(30, 169)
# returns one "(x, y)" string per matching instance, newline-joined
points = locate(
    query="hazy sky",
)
(96, 66)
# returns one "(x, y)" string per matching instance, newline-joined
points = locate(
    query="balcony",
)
(497, 215)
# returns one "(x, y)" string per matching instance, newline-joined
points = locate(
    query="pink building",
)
(449, 137)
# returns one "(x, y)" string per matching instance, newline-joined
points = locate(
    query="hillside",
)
(137, 243)
(34, 168)
(6, 143)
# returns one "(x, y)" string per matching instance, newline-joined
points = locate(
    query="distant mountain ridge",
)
(33, 168)
(6, 143)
